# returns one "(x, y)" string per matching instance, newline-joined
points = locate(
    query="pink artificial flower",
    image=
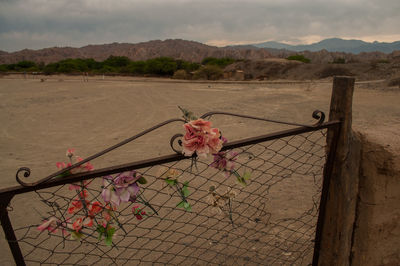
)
(50, 225)
(201, 139)
(70, 153)
(60, 165)
(78, 169)
(84, 167)
(107, 212)
(80, 222)
(200, 125)
(121, 188)
(225, 161)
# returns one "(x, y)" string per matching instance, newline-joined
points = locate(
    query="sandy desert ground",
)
(40, 120)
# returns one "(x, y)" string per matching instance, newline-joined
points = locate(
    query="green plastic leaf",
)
(185, 191)
(246, 176)
(187, 114)
(111, 231)
(187, 206)
(76, 235)
(108, 241)
(100, 229)
(109, 234)
(63, 174)
(171, 182)
(181, 204)
(142, 180)
(241, 181)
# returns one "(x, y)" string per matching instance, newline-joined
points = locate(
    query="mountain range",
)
(323, 52)
(335, 45)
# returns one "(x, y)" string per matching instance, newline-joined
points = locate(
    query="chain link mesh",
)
(269, 221)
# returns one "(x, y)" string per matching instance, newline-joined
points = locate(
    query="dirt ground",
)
(40, 120)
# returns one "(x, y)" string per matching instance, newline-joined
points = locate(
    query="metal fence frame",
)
(7, 194)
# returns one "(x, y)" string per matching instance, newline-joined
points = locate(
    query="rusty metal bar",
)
(160, 160)
(9, 230)
(317, 114)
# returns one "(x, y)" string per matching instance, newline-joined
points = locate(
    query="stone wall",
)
(376, 234)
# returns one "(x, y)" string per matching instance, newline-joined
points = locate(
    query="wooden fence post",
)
(339, 216)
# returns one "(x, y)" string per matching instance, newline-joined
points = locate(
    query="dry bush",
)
(209, 72)
(180, 74)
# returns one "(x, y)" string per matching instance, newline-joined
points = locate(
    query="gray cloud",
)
(43, 23)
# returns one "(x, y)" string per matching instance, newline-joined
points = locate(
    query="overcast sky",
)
(36, 24)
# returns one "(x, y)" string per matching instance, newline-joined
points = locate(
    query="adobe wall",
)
(376, 235)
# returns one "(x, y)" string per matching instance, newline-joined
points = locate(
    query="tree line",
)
(161, 66)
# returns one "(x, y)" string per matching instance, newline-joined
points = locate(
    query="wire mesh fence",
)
(262, 210)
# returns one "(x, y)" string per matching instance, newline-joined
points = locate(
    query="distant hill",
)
(178, 49)
(336, 45)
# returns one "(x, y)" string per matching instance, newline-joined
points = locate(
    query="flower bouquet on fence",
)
(85, 216)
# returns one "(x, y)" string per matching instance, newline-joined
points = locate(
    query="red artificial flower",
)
(95, 208)
(138, 212)
(77, 205)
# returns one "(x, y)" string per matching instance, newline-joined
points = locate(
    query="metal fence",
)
(262, 210)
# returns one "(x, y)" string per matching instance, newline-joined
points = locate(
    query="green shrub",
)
(3, 68)
(163, 66)
(26, 64)
(117, 61)
(51, 68)
(221, 62)
(160, 66)
(136, 67)
(188, 66)
(300, 58)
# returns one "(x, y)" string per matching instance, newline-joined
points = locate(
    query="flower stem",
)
(230, 210)
(180, 192)
(145, 202)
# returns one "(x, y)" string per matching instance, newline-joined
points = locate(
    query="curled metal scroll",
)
(176, 139)
(320, 116)
(25, 172)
